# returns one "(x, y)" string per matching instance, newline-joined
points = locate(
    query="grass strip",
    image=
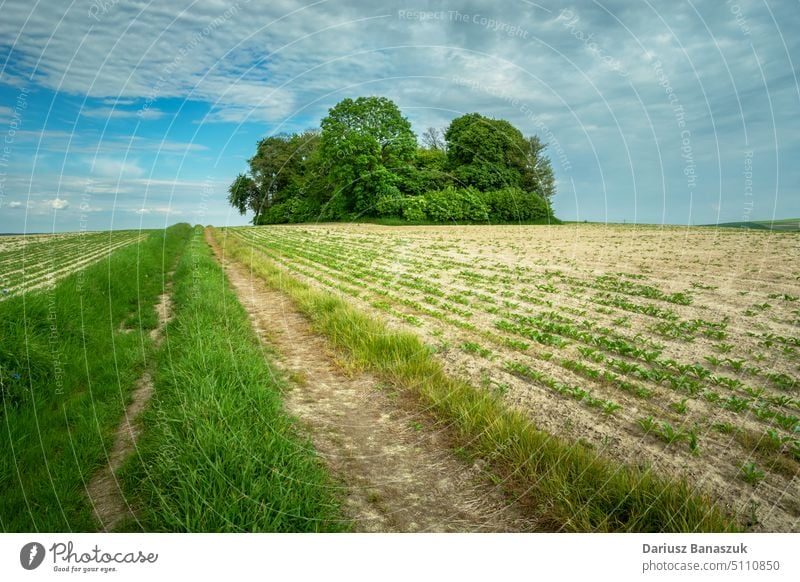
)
(218, 452)
(67, 372)
(570, 487)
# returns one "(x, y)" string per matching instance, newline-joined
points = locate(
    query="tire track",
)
(398, 470)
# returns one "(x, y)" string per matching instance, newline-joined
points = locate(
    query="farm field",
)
(537, 373)
(125, 407)
(785, 225)
(30, 262)
(656, 346)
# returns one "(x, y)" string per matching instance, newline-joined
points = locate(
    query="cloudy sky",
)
(127, 114)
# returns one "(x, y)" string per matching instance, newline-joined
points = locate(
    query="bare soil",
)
(398, 470)
(728, 273)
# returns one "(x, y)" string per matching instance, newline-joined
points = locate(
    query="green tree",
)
(537, 173)
(485, 153)
(491, 154)
(365, 146)
(365, 160)
(281, 165)
(243, 194)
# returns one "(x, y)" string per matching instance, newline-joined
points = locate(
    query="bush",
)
(465, 205)
(415, 208)
(390, 206)
(292, 210)
(515, 205)
(456, 205)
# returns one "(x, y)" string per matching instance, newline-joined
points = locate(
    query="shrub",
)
(466, 205)
(414, 208)
(456, 205)
(515, 205)
(292, 210)
(390, 206)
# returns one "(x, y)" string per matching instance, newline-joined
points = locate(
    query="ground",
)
(398, 471)
(671, 347)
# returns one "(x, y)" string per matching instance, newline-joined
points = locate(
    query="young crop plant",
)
(735, 365)
(591, 354)
(694, 444)
(750, 473)
(736, 404)
(475, 348)
(788, 422)
(698, 285)
(669, 434)
(679, 407)
(783, 400)
(610, 407)
(724, 348)
(648, 424)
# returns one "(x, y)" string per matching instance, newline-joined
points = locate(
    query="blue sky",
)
(133, 114)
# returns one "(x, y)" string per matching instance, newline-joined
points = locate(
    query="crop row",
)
(43, 261)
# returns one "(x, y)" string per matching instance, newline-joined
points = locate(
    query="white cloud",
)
(285, 63)
(117, 113)
(87, 142)
(14, 204)
(119, 102)
(167, 210)
(115, 168)
(58, 203)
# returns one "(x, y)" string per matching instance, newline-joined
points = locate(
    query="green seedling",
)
(749, 473)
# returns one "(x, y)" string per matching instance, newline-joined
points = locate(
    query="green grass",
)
(66, 376)
(782, 225)
(219, 453)
(568, 486)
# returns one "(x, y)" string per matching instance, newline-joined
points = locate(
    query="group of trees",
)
(365, 161)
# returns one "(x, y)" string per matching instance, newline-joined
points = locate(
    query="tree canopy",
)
(365, 161)
(367, 144)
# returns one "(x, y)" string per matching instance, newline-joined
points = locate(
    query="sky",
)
(139, 114)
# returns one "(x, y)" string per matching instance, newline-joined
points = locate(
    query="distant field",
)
(33, 261)
(671, 347)
(785, 225)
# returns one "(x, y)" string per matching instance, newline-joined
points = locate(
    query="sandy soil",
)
(726, 272)
(398, 470)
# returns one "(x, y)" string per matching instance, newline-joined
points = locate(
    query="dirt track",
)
(108, 502)
(398, 470)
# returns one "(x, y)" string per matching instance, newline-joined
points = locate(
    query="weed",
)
(694, 445)
(724, 427)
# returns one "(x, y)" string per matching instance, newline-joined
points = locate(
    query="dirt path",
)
(108, 503)
(399, 471)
